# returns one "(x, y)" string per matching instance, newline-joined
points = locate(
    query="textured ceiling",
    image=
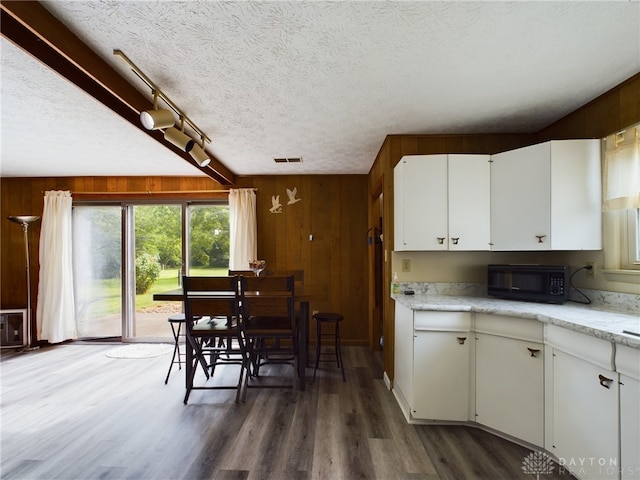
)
(325, 81)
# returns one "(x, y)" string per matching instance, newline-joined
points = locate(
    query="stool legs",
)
(337, 350)
(176, 349)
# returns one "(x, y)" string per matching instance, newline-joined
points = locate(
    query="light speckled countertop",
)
(598, 322)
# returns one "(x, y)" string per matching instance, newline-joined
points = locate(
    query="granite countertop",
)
(595, 321)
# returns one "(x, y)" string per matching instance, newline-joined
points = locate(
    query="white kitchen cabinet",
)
(547, 197)
(510, 376)
(585, 432)
(628, 367)
(442, 202)
(431, 364)
(403, 356)
(442, 346)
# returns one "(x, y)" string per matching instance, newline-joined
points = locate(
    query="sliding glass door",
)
(97, 270)
(125, 253)
(154, 264)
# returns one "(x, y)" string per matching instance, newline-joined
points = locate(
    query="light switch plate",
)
(406, 265)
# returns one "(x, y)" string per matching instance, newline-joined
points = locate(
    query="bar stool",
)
(329, 318)
(176, 321)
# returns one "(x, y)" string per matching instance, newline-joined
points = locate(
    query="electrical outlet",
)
(406, 265)
(591, 273)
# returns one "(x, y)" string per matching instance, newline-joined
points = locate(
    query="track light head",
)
(157, 119)
(199, 155)
(179, 139)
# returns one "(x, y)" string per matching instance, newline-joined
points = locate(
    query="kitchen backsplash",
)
(624, 302)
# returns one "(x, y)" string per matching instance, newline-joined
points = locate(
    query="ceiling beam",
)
(32, 28)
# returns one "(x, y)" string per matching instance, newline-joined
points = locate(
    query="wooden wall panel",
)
(332, 208)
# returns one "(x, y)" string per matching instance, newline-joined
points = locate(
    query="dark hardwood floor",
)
(71, 412)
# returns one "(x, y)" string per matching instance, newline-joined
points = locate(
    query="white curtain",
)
(244, 228)
(56, 312)
(621, 182)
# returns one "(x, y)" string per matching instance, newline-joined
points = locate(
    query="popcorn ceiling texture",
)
(325, 81)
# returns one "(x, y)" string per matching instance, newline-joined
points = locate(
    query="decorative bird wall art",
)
(276, 206)
(292, 196)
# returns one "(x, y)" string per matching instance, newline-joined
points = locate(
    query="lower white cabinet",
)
(628, 367)
(585, 431)
(441, 393)
(572, 394)
(432, 364)
(510, 376)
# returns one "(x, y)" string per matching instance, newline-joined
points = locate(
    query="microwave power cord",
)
(588, 300)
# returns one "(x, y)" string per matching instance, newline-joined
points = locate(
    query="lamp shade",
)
(179, 139)
(199, 155)
(157, 119)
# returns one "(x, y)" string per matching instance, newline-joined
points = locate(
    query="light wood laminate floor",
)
(71, 412)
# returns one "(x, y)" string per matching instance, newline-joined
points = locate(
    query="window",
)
(621, 199)
(630, 256)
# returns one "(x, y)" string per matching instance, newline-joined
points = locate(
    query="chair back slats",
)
(210, 297)
(267, 297)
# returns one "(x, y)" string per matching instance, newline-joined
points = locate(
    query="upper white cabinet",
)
(547, 197)
(442, 202)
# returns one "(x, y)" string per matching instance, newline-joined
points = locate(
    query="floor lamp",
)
(25, 220)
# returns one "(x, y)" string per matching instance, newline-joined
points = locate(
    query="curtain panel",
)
(56, 311)
(621, 170)
(243, 226)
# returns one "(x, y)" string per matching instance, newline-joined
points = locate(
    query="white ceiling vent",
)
(288, 160)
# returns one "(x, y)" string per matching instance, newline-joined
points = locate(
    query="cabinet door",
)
(576, 195)
(629, 427)
(585, 417)
(441, 375)
(510, 386)
(628, 366)
(469, 202)
(521, 199)
(403, 351)
(424, 203)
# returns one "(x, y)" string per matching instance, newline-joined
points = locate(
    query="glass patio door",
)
(153, 253)
(97, 265)
(124, 253)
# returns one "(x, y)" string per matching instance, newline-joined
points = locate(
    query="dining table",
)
(303, 295)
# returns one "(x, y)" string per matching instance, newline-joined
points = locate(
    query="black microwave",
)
(530, 283)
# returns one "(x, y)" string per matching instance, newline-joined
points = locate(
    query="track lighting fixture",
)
(163, 119)
(157, 119)
(179, 138)
(199, 155)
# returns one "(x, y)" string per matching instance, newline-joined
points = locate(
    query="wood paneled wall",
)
(606, 114)
(332, 208)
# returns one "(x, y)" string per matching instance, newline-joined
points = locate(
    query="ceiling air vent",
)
(288, 160)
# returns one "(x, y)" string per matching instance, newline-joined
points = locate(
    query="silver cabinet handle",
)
(455, 240)
(540, 238)
(533, 351)
(604, 381)
(440, 240)
(461, 340)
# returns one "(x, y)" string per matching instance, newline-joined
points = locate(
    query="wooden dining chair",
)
(214, 338)
(269, 327)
